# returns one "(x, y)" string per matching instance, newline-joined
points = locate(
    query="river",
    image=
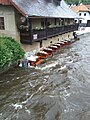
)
(59, 89)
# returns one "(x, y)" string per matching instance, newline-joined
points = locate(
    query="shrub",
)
(10, 51)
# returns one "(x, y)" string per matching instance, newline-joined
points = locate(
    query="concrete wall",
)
(31, 48)
(9, 18)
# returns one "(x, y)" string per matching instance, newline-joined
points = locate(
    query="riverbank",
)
(7, 68)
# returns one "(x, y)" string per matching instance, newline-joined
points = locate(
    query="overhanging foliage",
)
(10, 51)
(77, 2)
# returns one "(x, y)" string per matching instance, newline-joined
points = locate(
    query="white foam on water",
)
(17, 106)
(66, 94)
(28, 111)
(31, 84)
(70, 62)
(49, 66)
(41, 87)
(0, 114)
(24, 102)
(63, 67)
(20, 65)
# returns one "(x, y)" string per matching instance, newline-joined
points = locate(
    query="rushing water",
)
(56, 90)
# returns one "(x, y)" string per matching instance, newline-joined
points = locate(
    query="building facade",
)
(83, 11)
(37, 23)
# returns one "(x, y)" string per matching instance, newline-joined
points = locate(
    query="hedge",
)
(10, 51)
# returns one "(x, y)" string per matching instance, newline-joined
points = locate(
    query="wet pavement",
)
(56, 90)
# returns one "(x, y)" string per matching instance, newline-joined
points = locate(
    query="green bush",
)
(10, 51)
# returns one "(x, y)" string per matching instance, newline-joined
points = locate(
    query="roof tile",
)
(43, 8)
(5, 2)
(80, 8)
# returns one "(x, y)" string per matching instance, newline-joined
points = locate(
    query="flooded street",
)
(56, 90)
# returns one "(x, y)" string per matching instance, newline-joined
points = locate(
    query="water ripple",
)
(56, 90)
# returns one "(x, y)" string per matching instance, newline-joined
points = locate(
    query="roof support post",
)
(46, 27)
(29, 23)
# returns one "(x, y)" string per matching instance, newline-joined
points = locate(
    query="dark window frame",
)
(79, 14)
(55, 21)
(76, 21)
(80, 21)
(84, 14)
(2, 25)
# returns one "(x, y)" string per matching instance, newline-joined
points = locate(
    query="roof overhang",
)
(18, 8)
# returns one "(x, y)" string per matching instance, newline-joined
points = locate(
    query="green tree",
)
(10, 51)
(77, 1)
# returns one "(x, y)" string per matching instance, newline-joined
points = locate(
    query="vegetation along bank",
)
(10, 52)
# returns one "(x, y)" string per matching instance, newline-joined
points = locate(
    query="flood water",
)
(56, 90)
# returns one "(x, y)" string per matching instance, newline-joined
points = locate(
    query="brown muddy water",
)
(56, 90)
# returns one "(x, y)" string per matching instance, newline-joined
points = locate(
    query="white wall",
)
(84, 18)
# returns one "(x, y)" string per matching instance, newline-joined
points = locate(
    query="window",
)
(2, 27)
(80, 21)
(59, 23)
(76, 21)
(48, 23)
(84, 14)
(79, 14)
(42, 24)
(55, 21)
